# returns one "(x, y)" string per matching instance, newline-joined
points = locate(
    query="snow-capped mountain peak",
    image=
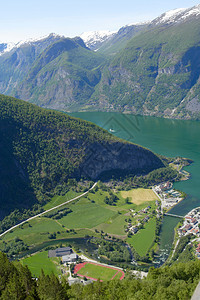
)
(7, 47)
(177, 15)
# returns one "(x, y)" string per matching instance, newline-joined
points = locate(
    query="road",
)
(196, 295)
(46, 211)
(162, 200)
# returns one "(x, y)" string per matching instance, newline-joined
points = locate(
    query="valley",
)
(100, 156)
(132, 70)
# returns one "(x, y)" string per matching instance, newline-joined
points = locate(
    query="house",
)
(60, 252)
(198, 249)
(194, 221)
(134, 230)
(186, 228)
(69, 258)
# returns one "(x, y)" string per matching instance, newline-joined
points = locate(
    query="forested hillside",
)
(168, 283)
(42, 150)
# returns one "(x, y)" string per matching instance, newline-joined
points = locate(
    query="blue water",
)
(163, 136)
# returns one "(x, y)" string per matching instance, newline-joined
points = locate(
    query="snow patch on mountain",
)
(177, 15)
(9, 46)
(93, 39)
(139, 24)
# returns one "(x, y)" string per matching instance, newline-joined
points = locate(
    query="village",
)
(168, 196)
(191, 223)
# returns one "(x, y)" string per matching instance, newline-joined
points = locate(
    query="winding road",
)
(46, 211)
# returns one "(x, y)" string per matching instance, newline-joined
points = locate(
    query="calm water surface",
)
(166, 137)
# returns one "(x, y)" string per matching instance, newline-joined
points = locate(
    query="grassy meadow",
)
(40, 261)
(143, 240)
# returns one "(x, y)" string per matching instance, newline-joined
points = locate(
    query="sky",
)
(26, 19)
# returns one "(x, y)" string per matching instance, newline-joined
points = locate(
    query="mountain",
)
(17, 59)
(157, 73)
(118, 40)
(94, 39)
(177, 15)
(150, 69)
(63, 76)
(42, 149)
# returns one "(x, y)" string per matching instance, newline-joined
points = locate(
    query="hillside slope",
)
(63, 77)
(16, 62)
(149, 69)
(42, 149)
(157, 73)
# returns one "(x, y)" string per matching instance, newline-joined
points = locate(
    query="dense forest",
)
(42, 150)
(166, 283)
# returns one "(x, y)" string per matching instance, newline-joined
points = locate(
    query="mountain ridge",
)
(149, 69)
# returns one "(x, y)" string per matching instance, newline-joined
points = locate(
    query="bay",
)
(163, 136)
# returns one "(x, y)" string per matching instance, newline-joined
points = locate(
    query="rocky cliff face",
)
(64, 76)
(117, 159)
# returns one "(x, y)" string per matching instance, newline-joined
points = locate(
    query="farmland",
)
(139, 196)
(91, 216)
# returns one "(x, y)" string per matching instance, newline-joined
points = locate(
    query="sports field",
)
(95, 271)
(139, 196)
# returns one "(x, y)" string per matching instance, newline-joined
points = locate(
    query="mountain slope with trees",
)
(43, 149)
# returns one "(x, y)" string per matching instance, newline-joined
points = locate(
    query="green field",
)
(86, 215)
(41, 261)
(143, 240)
(98, 272)
(114, 225)
(56, 200)
(90, 215)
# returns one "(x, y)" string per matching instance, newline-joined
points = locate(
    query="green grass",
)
(143, 240)
(86, 215)
(56, 200)
(41, 261)
(114, 225)
(97, 271)
(118, 276)
(37, 233)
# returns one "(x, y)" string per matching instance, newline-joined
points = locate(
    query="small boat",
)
(111, 130)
